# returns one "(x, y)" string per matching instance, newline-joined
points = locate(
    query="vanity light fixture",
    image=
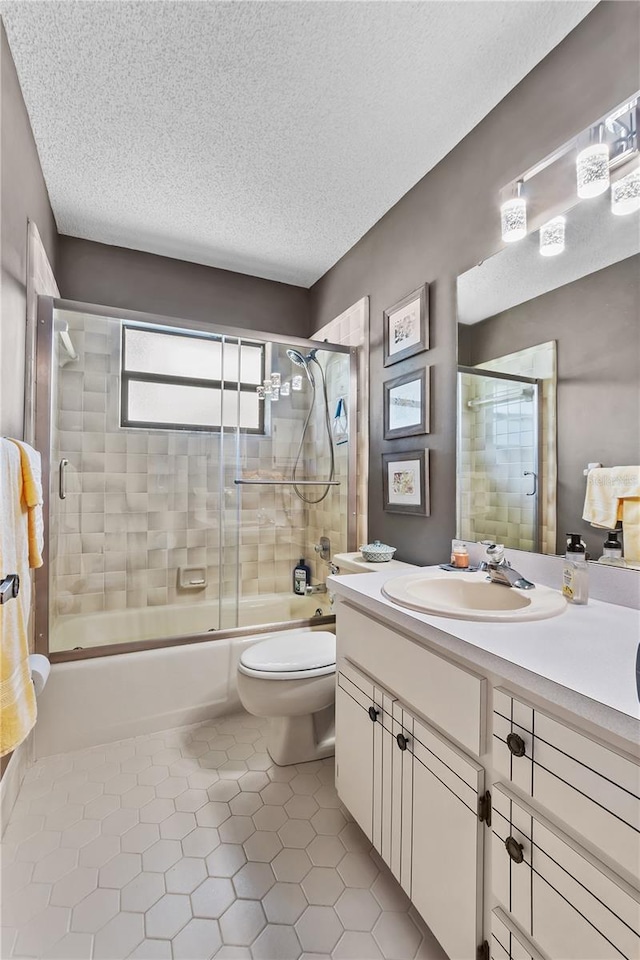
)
(592, 165)
(625, 194)
(513, 215)
(552, 237)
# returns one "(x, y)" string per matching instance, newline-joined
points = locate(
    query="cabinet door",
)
(446, 882)
(355, 752)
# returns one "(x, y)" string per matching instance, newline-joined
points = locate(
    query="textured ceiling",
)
(262, 137)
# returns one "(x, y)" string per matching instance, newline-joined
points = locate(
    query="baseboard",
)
(12, 778)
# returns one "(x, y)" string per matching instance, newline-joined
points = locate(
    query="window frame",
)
(126, 376)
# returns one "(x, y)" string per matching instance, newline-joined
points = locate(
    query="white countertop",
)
(583, 660)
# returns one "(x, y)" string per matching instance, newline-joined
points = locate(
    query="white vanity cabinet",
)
(416, 796)
(546, 868)
(516, 835)
(571, 906)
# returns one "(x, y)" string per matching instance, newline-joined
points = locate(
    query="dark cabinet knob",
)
(514, 849)
(516, 745)
(402, 742)
(373, 714)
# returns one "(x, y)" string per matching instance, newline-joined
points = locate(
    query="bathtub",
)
(102, 699)
(180, 619)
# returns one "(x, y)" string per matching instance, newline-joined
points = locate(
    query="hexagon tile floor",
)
(191, 844)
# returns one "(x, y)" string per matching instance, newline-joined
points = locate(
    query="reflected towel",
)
(17, 696)
(606, 488)
(631, 529)
(32, 496)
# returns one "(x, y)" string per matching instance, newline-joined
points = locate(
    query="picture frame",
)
(405, 482)
(406, 404)
(406, 326)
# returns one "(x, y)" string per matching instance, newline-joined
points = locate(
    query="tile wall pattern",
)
(351, 329)
(143, 503)
(192, 844)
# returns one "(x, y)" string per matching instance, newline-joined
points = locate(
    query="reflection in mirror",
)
(549, 360)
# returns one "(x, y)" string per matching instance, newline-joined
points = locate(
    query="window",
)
(180, 381)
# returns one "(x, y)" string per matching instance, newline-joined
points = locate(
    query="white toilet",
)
(290, 678)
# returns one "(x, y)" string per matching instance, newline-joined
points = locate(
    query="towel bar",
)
(9, 587)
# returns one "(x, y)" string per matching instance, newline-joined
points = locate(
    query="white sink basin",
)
(473, 597)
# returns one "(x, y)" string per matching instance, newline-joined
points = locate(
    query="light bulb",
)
(592, 170)
(285, 389)
(296, 382)
(625, 194)
(260, 392)
(513, 217)
(267, 388)
(552, 237)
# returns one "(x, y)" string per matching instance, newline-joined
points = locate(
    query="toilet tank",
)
(354, 563)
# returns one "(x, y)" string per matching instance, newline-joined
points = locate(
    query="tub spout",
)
(315, 588)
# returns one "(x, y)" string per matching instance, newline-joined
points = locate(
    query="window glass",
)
(155, 365)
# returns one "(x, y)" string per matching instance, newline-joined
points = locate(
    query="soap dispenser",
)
(575, 572)
(612, 551)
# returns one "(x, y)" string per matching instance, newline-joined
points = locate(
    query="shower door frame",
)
(42, 439)
(537, 427)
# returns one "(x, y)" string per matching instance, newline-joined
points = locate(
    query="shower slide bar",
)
(289, 483)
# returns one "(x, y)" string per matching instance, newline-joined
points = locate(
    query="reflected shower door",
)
(498, 459)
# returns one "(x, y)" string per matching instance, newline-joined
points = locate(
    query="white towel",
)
(607, 487)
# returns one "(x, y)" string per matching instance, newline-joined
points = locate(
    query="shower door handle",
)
(62, 480)
(530, 473)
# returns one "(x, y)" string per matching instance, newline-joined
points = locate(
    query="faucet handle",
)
(494, 551)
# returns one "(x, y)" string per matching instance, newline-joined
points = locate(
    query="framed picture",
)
(405, 482)
(406, 326)
(406, 405)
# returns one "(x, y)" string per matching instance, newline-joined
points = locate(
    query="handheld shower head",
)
(296, 357)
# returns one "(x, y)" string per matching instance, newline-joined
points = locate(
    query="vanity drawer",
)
(452, 697)
(592, 788)
(507, 942)
(573, 907)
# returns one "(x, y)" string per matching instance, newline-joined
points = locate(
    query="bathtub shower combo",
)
(190, 467)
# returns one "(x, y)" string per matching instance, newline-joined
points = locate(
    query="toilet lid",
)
(291, 653)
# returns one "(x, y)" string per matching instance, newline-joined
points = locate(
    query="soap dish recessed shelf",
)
(192, 578)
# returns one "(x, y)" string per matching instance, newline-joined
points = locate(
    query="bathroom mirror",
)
(549, 368)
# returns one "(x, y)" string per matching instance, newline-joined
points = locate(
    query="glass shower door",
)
(498, 459)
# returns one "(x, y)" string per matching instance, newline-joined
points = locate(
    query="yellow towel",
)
(32, 496)
(606, 487)
(17, 697)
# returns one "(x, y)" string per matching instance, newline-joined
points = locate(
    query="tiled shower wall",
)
(143, 503)
(329, 517)
(351, 328)
(491, 504)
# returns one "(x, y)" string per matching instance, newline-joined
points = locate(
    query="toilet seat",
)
(293, 656)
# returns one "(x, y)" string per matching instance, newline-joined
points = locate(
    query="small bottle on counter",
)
(459, 555)
(612, 551)
(575, 573)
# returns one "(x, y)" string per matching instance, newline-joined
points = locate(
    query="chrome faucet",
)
(500, 570)
(315, 588)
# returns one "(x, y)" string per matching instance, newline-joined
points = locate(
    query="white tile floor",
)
(191, 844)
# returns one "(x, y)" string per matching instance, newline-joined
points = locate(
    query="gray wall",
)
(595, 324)
(23, 196)
(118, 277)
(448, 222)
